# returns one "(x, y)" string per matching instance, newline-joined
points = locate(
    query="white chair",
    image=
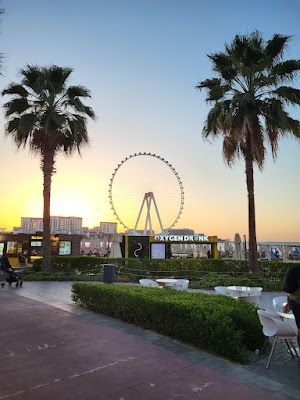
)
(149, 283)
(274, 327)
(181, 284)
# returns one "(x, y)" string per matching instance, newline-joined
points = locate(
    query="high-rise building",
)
(30, 225)
(108, 227)
(67, 225)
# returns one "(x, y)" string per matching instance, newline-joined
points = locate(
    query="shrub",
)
(215, 323)
(76, 263)
(202, 273)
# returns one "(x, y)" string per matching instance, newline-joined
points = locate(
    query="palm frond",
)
(57, 77)
(231, 150)
(15, 89)
(77, 105)
(288, 95)
(222, 64)
(246, 51)
(77, 91)
(30, 74)
(285, 71)
(293, 126)
(276, 46)
(215, 90)
(20, 129)
(16, 106)
(277, 118)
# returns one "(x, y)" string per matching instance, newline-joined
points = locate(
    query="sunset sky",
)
(142, 59)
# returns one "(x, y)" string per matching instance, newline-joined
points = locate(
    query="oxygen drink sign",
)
(181, 238)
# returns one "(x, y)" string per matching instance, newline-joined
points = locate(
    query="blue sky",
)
(142, 60)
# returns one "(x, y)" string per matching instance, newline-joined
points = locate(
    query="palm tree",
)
(249, 99)
(48, 116)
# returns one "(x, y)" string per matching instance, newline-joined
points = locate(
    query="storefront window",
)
(36, 248)
(64, 247)
(12, 247)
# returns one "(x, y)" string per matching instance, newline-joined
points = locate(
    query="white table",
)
(250, 294)
(167, 281)
(244, 291)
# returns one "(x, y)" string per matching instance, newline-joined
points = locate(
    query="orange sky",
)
(80, 189)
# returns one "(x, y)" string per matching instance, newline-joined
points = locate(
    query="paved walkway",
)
(53, 349)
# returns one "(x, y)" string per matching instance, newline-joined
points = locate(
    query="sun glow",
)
(67, 206)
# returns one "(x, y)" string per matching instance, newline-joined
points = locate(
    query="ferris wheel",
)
(146, 194)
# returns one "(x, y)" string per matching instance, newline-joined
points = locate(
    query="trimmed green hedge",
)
(76, 263)
(190, 264)
(215, 323)
(212, 279)
(202, 273)
(179, 267)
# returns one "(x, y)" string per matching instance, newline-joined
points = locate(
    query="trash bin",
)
(109, 273)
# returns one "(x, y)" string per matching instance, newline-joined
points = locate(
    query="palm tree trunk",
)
(47, 168)
(253, 262)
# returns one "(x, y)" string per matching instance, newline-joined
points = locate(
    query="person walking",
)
(5, 264)
(291, 285)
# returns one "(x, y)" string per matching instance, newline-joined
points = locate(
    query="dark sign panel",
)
(138, 246)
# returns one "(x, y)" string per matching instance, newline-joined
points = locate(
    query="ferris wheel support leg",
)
(148, 217)
(157, 213)
(139, 216)
(150, 225)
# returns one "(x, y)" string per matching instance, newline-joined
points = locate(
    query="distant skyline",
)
(142, 60)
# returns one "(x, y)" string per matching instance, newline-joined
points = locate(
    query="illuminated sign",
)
(158, 251)
(181, 238)
(64, 247)
(138, 246)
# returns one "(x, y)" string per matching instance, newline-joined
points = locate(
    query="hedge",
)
(76, 263)
(202, 273)
(215, 323)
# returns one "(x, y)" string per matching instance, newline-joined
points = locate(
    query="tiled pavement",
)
(174, 362)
